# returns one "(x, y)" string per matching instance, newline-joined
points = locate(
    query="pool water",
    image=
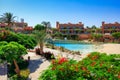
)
(83, 48)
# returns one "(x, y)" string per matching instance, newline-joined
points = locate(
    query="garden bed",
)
(97, 66)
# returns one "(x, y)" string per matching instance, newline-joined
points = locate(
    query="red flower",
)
(118, 76)
(89, 55)
(53, 68)
(94, 57)
(108, 70)
(53, 61)
(101, 64)
(62, 60)
(84, 68)
(93, 63)
(61, 69)
(76, 69)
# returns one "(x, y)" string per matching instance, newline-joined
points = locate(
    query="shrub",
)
(37, 51)
(11, 67)
(27, 41)
(24, 75)
(97, 66)
(61, 69)
(48, 55)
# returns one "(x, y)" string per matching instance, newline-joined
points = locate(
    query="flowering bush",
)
(48, 55)
(97, 66)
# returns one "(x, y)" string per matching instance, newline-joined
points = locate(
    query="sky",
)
(89, 12)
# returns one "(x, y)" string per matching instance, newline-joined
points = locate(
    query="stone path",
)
(36, 65)
(3, 71)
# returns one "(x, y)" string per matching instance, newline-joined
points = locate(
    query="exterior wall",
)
(110, 27)
(71, 29)
(18, 27)
(84, 36)
(21, 24)
(3, 25)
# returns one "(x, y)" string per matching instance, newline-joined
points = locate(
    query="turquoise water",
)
(83, 48)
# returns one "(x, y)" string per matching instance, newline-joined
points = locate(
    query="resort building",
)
(18, 26)
(110, 27)
(3, 25)
(70, 28)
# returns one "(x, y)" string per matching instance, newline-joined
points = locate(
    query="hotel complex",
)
(110, 27)
(71, 29)
(18, 26)
(76, 29)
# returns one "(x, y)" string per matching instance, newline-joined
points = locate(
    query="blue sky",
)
(90, 12)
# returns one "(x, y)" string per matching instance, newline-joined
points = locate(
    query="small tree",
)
(46, 24)
(12, 52)
(116, 35)
(57, 34)
(40, 38)
(7, 18)
(39, 27)
(97, 36)
(27, 41)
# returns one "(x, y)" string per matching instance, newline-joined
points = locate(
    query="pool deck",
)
(58, 53)
(109, 48)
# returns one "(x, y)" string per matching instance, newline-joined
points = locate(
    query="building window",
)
(113, 27)
(61, 27)
(68, 27)
(105, 27)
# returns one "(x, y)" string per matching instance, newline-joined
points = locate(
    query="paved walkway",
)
(36, 65)
(3, 71)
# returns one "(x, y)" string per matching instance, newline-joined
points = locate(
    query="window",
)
(105, 27)
(68, 27)
(113, 27)
(61, 27)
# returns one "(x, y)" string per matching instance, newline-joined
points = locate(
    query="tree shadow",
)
(34, 64)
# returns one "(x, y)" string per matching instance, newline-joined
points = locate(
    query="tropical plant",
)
(12, 53)
(46, 24)
(98, 30)
(97, 37)
(7, 18)
(26, 40)
(116, 35)
(39, 27)
(57, 35)
(96, 66)
(40, 37)
(23, 75)
(54, 30)
(93, 27)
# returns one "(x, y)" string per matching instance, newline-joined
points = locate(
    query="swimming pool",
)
(83, 48)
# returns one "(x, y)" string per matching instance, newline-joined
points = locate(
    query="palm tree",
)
(40, 38)
(46, 24)
(7, 18)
